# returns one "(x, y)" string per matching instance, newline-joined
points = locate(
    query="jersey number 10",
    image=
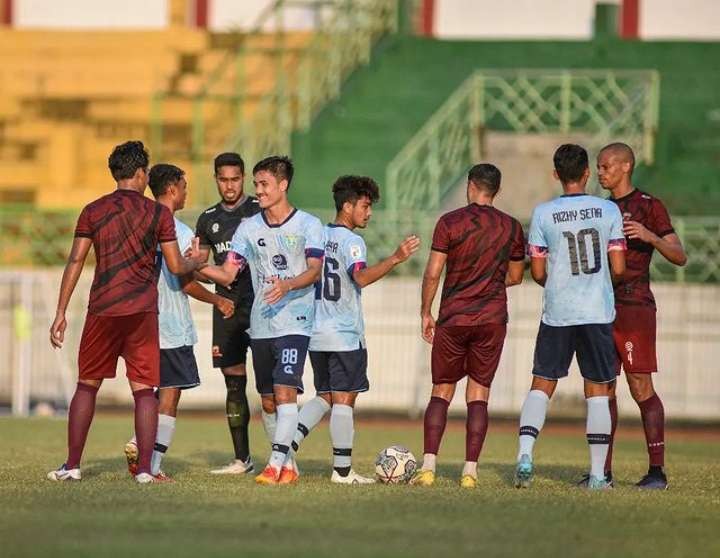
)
(577, 246)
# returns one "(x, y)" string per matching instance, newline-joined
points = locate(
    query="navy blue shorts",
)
(178, 368)
(592, 343)
(340, 371)
(279, 361)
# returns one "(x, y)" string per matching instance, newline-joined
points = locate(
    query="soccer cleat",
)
(236, 467)
(597, 483)
(270, 475)
(583, 482)
(64, 474)
(423, 477)
(523, 472)
(351, 478)
(144, 478)
(288, 475)
(468, 481)
(653, 481)
(131, 454)
(162, 478)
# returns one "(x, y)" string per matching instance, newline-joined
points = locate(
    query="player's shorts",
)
(460, 351)
(634, 332)
(340, 371)
(591, 343)
(178, 368)
(230, 339)
(279, 361)
(134, 337)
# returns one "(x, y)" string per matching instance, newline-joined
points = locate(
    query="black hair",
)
(622, 149)
(351, 188)
(279, 166)
(162, 176)
(570, 161)
(127, 158)
(486, 176)
(229, 160)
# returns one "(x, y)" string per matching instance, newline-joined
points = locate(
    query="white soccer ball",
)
(395, 465)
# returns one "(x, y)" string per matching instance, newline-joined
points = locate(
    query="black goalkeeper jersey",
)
(215, 229)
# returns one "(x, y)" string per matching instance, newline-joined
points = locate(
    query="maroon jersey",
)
(479, 241)
(125, 228)
(634, 289)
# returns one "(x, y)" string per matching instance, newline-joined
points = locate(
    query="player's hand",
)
(636, 231)
(278, 288)
(226, 306)
(57, 331)
(428, 328)
(407, 248)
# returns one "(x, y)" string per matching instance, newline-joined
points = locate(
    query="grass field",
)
(201, 516)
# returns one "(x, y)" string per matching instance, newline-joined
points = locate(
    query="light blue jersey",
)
(575, 232)
(280, 251)
(339, 324)
(175, 320)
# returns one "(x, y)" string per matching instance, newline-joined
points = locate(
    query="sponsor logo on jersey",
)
(355, 251)
(210, 210)
(222, 247)
(629, 348)
(215, 227)
(261, 242)
(280, 262)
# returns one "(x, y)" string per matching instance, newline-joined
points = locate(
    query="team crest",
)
(291, 241)
(215, 227)
(355, 251)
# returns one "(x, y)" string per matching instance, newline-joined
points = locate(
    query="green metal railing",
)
(608, 105)
(230, 112)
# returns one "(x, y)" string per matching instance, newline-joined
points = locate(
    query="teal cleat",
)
(524, 472)
(598, 483)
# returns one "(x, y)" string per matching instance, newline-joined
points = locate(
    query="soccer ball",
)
(395, 465)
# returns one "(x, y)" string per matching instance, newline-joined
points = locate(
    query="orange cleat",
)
(270, 475)
(162, 477)
(131, 454)
(288, 475)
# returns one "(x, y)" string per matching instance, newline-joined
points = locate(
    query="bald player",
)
(647, 227)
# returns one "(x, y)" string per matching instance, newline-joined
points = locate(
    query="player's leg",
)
(168, 400)
(652, 413)
(314, 410)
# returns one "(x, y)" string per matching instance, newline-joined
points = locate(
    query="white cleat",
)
(352, 478)
(144, 478)
(63, 474)
(237, 467)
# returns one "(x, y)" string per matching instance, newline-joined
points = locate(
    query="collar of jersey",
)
(292, 214)
(336, 226)
(626, 196)
(576, 194)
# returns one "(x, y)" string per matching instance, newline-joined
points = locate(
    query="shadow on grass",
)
(567, 474)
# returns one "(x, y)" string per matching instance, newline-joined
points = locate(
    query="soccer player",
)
(576, 242)
(284, 248)
(483, 252)
(124, 228)
(337, 346)
(215, 229)
(647, 227)
(178, 367)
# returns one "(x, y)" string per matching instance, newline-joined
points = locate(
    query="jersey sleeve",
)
(240, 243)
(441, 237)
(355, 254)
(184, 236)
(517, 243)
(616, 240)
(537, 243)
(661, 224)
(201, 231)
(166, 226)
(315, 239)
(83, 228)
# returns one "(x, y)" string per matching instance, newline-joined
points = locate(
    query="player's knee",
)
(541, 384)
(344, 398)
(268, 405)
(444, 391)
(236, 370)
(641, 386)
(236, 387)
(327, 397)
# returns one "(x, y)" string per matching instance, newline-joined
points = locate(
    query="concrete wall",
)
(697, 20)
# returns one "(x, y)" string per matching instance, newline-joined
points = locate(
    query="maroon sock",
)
(146, 420)
(80, 415)
(435, 421)
(653, 418)
(613, 427)
(476, 428)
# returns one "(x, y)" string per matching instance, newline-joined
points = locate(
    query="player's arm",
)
(668, 245)
(195, 290)
(368, 275)
(515, 272)
(616, 258)
(73, 268)
(226, 273)
(280, 287)
(538, 263)
(176, 262)
(430, 283)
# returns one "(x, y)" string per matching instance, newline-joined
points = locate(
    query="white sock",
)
(429, 460)
(287, 421)
(310, 415)
(470, 468)
(598, 433)
(532, 419)
(163, 439)
(342, 432)
(269, 424)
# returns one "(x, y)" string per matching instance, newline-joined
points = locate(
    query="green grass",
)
(199, 516)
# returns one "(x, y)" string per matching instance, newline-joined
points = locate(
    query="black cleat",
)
(654, 480)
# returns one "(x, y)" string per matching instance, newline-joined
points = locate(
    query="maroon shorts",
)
(134, 337)
(460, 351)
(634, 334)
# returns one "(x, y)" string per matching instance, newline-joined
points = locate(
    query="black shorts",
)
(592, 343)
(178, 368)
(340, 371)
(230, 339)
(279, 361)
